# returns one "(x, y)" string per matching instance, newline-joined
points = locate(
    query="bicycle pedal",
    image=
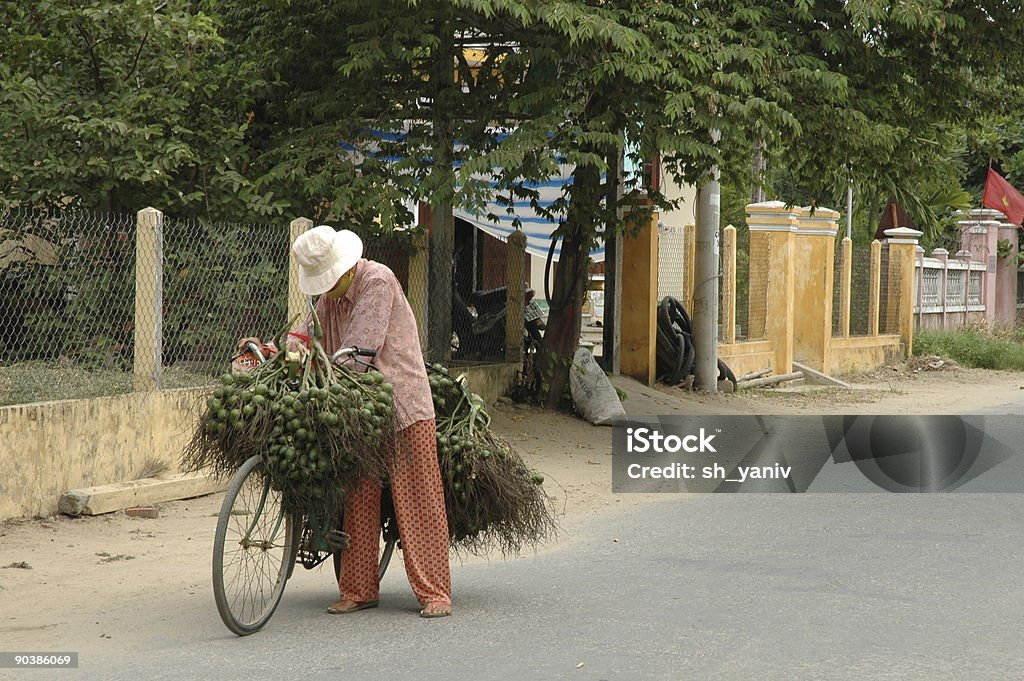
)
(337, 540)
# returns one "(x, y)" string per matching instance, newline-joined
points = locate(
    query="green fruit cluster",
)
(312, 434)
(477, 467)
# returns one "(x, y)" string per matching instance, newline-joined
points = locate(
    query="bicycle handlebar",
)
(352, 351)
(254, 348)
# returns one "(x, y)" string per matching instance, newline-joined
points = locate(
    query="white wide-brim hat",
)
(324, 255)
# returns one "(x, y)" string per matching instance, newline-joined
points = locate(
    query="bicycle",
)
(272, 541)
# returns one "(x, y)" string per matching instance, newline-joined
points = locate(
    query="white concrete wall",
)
(671, 254)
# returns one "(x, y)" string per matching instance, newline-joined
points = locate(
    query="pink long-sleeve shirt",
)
(375, 314)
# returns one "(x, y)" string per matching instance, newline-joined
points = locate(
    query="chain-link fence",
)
(674, 266)
(890, 294)
(860, 292)
(95, 305)
(66, 304)
(221, 282)
(752, 273)
(82, 296)
(482, 267)
(57, 274)
(860, 288)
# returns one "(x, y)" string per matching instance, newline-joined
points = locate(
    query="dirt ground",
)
(62, 577)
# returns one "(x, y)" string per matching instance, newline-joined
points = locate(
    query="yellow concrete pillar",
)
(149, 285)
(844, 293)
(515, 275)
(728, 312)
(773, 229)
(298, 304)
(874, 286)
(814, 259)
(419, 263)
(638, 335)
(902, 243)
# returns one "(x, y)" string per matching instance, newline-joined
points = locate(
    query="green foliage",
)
(974, 347)
(228, 110)
(923, 81)
(118, 105)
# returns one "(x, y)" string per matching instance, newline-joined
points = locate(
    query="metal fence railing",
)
(868, 314)
(753, 264)
(674, 262)
(58, 275)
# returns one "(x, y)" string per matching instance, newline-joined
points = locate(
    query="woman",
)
(363, 305)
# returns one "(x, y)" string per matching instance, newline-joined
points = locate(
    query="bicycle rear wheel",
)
(253, 550)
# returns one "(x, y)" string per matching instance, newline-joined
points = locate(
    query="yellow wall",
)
(794, 304)
(747, 356)
(50, 447)
(864, 353)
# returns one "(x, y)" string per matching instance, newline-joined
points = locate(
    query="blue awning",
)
(537, 228)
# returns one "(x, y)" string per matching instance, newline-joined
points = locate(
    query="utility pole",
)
(705, 293)
(849, 212)
(757, 193)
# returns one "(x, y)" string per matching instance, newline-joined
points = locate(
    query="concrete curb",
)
(145, 492)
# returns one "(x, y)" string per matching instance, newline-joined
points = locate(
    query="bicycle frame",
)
(265, 545)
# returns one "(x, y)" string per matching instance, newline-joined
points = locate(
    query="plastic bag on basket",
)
(594, 395)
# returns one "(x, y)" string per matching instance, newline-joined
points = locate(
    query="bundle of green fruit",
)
(319, 427)
(494, 499)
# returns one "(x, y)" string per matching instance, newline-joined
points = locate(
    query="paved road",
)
(816, 586)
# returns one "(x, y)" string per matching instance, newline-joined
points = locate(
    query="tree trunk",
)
(610, 331)
(564, 320)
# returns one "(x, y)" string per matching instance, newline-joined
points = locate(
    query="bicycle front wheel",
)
(252, 550)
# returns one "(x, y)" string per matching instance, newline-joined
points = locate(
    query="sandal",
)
(345, 607)
(436, 609)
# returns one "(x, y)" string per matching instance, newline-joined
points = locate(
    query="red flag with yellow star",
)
(1000, 195)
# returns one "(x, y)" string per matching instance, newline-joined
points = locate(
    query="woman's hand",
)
(251, 339)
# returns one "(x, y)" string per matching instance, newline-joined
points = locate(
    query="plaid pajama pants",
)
(422, 523)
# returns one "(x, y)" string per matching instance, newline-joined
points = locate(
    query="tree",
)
(843, 87)
(118, 105)
(569, 79)
(654, 78)
(920, 75)
(369, 108)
